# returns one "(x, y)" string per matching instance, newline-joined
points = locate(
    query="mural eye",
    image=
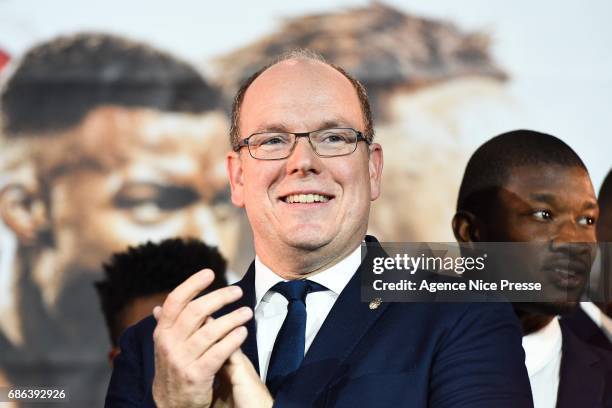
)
(148, 202)
(222, 205)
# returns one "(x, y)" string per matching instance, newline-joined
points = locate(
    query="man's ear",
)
(375, 167)
(233, 162)
(23, 212)
(467, 227)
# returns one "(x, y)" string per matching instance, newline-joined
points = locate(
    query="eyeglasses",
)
(325, 143)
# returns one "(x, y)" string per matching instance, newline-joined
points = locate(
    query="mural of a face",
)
(427, 131)
(123, 176)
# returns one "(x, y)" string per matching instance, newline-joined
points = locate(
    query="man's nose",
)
(303, 158)
(577, 251)
(570, 231)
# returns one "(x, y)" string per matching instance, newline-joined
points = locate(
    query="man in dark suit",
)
(525, 186)
(586, 322)
(312, 341)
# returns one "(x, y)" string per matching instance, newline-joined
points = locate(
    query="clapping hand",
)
(189, 352)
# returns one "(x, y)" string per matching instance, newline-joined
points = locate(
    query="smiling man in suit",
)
(305, 168)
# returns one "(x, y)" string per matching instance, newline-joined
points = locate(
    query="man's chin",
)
(307, 243)
(308, 238)
(563, 307)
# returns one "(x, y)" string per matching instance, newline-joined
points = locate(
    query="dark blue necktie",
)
(288, 351)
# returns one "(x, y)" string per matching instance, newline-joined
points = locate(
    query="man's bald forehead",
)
(294, 72)
(294, 65)
(299, 65)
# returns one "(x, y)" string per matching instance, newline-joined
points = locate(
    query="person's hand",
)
(241, 386)
(189, 353)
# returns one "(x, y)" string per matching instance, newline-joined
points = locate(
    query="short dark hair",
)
(153, 268)
(490, 165)
(59, 81)
(306, 55)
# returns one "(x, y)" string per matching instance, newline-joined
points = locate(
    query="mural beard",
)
(65, 347)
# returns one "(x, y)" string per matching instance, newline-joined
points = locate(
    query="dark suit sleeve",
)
(130, 383)
(481, 363)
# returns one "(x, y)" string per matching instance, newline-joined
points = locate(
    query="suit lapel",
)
(247, 284)
(345, 325)
(581, 323)
(581, 381)
(249, 347)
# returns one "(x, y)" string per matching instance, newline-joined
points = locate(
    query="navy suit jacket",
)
(585, 329)
(586, 373)
(397, 355)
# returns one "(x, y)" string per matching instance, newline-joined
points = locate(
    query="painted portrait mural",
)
(110, 143)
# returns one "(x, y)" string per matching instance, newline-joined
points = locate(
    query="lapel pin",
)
(375, 303)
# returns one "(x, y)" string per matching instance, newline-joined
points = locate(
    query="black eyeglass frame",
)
(359, 137)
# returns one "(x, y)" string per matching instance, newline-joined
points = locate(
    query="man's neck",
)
(301, 263)
(532, 322)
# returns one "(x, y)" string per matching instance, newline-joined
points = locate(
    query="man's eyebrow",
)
(283, 127)
(273, 127)
(335, 123)
(543, 197)
(552, 200)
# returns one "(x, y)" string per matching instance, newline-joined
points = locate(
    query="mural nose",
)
(203, 224)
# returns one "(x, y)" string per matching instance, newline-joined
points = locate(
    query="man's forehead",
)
(552, 183)
(300, 88)
(325, 122)
(546, 174)
(298, 72)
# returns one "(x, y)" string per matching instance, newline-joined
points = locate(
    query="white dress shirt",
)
(271, 307)
(543, 361)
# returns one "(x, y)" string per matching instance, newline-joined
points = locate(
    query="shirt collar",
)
(598, 317)
(334, 278)
(542, 347)
(592, 311)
